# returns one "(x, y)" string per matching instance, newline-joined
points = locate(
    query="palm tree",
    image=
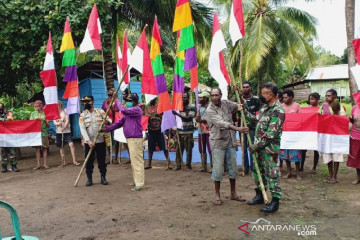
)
(273, 33)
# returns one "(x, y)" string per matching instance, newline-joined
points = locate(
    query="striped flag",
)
(48, 77)
(69, 61)
(217, 67)
(236, 25)
(20, 133)
(140, 60)
(92, 40)
(122, 60)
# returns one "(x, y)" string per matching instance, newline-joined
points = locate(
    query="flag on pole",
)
(182, 16)
(178, 84)
(236, 24)
(164, 103)
(140, 60)
(69, 61)
(20, 133)
(311, 131)
(92, 40)
(48, 77)
(122, 60)
(217, 67)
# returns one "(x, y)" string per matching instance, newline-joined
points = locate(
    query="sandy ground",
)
(175, 205)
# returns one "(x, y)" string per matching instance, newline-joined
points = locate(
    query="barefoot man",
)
(223, 142)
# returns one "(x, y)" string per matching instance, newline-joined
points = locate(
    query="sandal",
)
(37, 167)
(218, 202)
(76, 163)
(46, 167)
(136, 189)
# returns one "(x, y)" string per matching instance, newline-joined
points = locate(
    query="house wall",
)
(342, 87)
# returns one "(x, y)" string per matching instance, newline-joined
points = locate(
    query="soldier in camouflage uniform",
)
(269, 124)
(7, 153)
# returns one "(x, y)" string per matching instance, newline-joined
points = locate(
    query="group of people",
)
(217, 122)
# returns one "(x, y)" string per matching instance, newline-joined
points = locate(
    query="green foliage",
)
(22, 113)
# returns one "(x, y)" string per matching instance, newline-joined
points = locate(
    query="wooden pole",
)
(266, 200)
(102, 124)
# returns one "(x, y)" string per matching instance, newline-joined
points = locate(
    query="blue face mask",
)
(129, 104)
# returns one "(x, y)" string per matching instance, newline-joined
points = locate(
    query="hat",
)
(133, 97)
(204, 94)
(87, 98)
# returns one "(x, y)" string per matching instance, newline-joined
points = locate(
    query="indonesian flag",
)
(236, 25)
(21, 133)
(119, 133)
(311, 131)
(140, 60)
(217, 66)
(122, 61)
(48, 77)
(92, 40)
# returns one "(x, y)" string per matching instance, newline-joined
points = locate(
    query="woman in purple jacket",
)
(131, 121)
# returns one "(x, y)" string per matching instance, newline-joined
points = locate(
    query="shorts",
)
(156, 138)
(67, 139)
(44, 142)
(336, 157)
(290, 155)
(220, 157)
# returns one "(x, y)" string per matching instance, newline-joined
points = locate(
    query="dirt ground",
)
(175, 204)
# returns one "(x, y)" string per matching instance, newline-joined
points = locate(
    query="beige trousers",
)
(137, 160)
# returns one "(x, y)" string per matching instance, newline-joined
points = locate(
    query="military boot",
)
(3, 169)
(272, 207)
(89, 181)
(258, 199)
(14, 168)
(103, 180)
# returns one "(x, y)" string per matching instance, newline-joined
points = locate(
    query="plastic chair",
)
(16, 224)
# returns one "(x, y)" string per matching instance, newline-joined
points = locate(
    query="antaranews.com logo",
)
(262, 224)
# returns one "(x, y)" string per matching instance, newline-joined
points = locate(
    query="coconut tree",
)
(274, 32)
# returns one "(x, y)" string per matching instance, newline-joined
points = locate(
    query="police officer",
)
(90, 122)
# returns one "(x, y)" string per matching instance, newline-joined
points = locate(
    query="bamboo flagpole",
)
(102, 124)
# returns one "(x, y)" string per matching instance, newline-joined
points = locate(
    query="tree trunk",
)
(108, 64)
(259, 85)
(350, 15)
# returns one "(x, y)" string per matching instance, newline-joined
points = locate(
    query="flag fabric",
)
(236, 24)
(122, 60)
(48, 77)
(92, 40)
(20, 133)
(356, 45)
(355, 70)
(178, 84)
(164, 103)
(311, 131)
(216, 66)
(140, 60)
(183, 17)
(69, 61)
(119, 133)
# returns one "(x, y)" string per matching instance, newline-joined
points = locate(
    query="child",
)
(313, 101)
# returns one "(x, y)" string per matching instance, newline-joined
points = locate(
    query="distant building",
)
(321, 79)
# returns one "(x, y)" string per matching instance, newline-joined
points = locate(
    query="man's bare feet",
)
(37, 167)
(357, 181)
(287, 176)
(46, 167)
(217, 201)
(313, 171)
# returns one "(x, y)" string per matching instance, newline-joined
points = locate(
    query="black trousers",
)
(100, 150)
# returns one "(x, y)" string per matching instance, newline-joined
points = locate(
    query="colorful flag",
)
(311, 131)
(183, 17)
(217, 67)
(69, 61)
(178, 84)
(20, 133)
(122, 60)
(92, 40)
(236, 25)
(140, 60)
(164, 103)
(48, 77)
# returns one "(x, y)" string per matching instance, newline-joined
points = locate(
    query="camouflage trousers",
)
(270, 173)
(6, 154)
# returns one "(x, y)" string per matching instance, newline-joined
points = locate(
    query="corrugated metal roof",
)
(329, 72)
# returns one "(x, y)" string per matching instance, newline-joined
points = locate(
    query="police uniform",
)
(90, 123)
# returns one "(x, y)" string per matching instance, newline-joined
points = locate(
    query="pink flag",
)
(48, 77)
(92, 40)
(216, 65)
(236, 25)
(140, 60)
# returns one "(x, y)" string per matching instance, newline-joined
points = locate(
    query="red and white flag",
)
(217, 67)
(48, 77)
(236, 24)
(311, 131)
(20, 133)
(140, 60)
(92, 40)
(122, 60)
